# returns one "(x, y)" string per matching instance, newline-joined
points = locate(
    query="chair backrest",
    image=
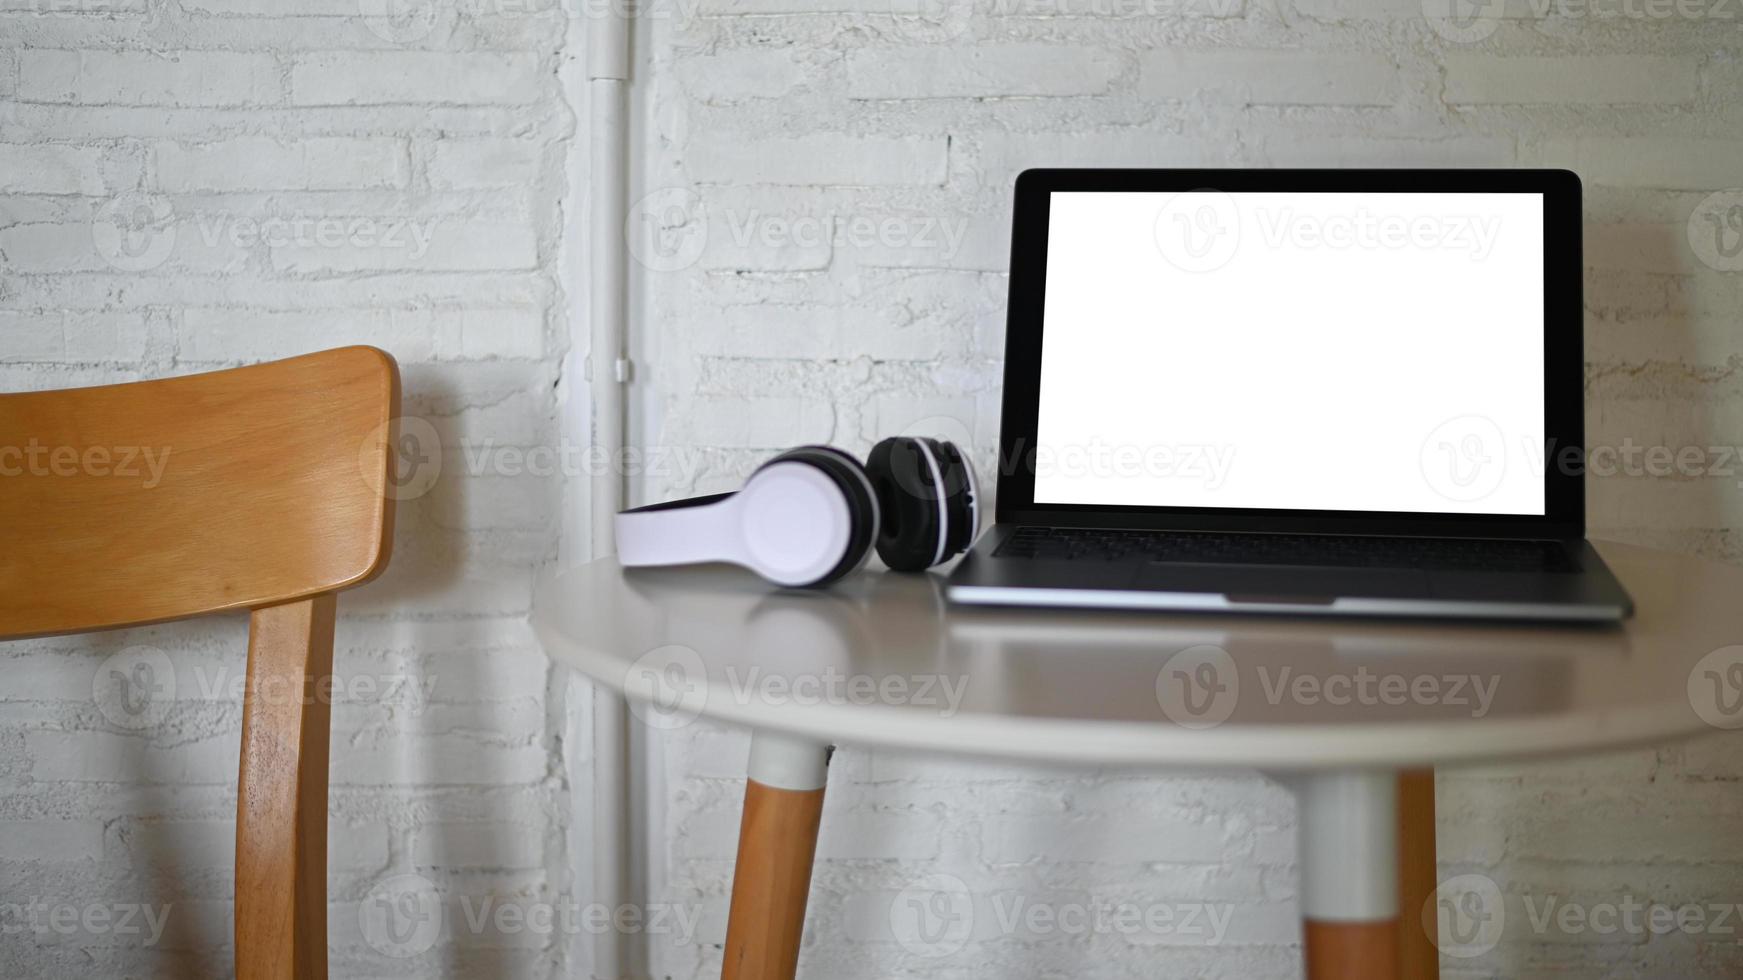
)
(264, 488)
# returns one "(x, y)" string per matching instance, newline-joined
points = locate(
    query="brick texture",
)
(830, 268)
(315, 178)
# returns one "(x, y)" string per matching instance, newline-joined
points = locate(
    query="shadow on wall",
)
(439, 760)
(1655, 458)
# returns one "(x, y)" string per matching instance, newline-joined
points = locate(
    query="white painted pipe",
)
(608, 284)
(608, 302)
(608, 95)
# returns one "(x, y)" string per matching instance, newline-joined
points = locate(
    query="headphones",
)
(813, 514)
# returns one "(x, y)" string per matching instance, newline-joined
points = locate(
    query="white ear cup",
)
(795, 523)
(790, 524)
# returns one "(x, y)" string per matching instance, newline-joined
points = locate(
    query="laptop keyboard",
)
(1352, 551)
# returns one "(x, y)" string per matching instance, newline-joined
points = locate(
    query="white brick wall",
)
(1270, 77)
(312, 164)
(819, 160)
(50, 169)
(1596, 80)
(379, 78)
(990, 71)
(324, 185)
(289, 141)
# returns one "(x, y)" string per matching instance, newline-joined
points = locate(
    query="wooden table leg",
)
(1349, 874)
(1419, 954)
(777, 840)
(1351, 950)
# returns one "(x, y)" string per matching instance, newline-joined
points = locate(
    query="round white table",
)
(1351, 714)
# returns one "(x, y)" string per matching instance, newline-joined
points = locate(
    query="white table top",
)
(880, 660)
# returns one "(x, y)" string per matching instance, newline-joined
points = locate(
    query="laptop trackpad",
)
(1278, 583)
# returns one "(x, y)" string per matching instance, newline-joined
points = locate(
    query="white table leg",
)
(1349, 874)
(777, 840)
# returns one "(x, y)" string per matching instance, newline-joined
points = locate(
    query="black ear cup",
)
(960, 503)
(862, 505)
(925, 490)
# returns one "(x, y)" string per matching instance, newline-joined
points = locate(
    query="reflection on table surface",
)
(878, 627)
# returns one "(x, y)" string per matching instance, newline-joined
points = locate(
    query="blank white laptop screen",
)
(1311, 351)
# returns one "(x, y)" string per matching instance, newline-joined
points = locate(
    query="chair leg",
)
(777, 841)
(1419, 956)
(281, 794)
(1349, 874)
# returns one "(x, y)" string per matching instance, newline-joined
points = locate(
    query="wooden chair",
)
(274, 496)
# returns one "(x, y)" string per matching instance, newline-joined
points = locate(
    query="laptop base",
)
(1586, 592)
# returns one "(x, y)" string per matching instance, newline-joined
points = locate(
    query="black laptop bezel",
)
(1564, 413)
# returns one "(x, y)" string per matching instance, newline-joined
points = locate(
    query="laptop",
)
(1322, 392)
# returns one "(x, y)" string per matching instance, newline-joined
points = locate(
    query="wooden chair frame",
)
(274, 495)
